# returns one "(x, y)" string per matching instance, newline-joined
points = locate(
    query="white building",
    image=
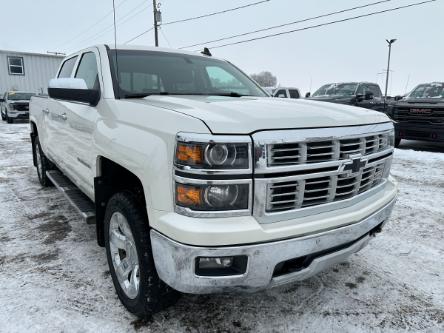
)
(26, 71)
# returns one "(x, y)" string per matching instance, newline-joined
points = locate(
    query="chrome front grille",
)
(306, 192)
(309, 171)
(325, 150)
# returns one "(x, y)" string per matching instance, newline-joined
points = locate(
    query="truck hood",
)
(231, 115)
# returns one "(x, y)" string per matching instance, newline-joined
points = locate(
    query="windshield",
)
(429, 90)
(336, 89)
(19, 96)
(143, 73)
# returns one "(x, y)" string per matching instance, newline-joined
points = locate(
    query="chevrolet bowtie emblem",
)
(356, 165)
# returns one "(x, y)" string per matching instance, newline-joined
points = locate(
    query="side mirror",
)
(368, 95)
(71, 89)
(2, 99)
(359, 97)
(307, 95)
(398, 98)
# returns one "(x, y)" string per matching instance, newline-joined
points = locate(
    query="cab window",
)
(281, 93)
(294, 93)
(88, 71)
(67, 67)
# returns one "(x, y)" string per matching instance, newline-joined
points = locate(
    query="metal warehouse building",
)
(26, 71)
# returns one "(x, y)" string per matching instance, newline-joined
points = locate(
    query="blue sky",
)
(350, 51)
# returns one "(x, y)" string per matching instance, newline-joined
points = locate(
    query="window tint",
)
(87, 70)
(374, 89)
(294, 93)
(281, 93)
(67, 67)
(220, 79)
(145, 72)
(15, 66)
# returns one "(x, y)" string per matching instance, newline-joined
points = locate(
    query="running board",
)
(76, 198)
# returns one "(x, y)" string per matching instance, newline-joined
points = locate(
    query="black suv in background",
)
(420, 115)
(364, 94)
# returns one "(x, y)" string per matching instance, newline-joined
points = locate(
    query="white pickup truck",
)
(200, 183)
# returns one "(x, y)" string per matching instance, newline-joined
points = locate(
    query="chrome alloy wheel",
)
(124, 255)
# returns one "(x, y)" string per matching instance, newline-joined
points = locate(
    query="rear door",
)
(81, 119)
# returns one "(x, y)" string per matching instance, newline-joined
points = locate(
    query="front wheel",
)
(397, 142)
(9, 120)
(130, 258)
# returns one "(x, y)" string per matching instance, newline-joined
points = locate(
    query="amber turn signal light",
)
(188, 195)
(189, 154)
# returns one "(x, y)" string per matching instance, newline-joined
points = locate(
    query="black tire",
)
(3, 116)
(153, 294)
(9, 120)
(397, 142)
(43, 164)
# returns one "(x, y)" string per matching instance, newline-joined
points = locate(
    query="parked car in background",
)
(198, 182)
(420, 115)
(284, 92)
(363, 94)
(15, 105)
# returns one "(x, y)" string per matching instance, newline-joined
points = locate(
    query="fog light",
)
(221, 266)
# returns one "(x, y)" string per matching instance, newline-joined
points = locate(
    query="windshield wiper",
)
(228, 94)
(142, 95)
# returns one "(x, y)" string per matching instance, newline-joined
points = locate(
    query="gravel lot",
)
(55, 278)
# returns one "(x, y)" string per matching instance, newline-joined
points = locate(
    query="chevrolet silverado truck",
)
(362, 94)
(420, 115)
(15, 105)
(198, 182)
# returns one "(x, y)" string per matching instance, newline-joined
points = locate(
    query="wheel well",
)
(113, 179)
(34, 134)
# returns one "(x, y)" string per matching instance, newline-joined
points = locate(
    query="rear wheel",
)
(130, 259)
(42, 163)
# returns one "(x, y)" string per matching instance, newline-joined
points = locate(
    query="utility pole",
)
(156, 25)
(390, 42)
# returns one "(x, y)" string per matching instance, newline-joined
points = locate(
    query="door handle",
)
(63, 116)
(46, 111)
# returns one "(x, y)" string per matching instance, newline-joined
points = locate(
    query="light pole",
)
(157, 20)
(390, 42)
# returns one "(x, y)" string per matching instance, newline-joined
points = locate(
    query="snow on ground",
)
(54, 278)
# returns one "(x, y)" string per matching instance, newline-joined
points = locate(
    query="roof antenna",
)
(115, 50)
(206, 51)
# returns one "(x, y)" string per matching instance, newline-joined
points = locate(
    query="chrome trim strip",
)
(175, 262)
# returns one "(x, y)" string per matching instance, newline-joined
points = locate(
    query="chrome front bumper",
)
(175, 262)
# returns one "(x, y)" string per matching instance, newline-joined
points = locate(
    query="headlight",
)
(213, 175)
(206, 197)
(391, 138)
(215, 153)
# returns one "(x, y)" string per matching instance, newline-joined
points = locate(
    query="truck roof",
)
(148, 48)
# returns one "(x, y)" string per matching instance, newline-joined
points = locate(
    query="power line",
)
(287, 24)
(139, 35)
(323, 24)
(133, 12)
(216, 13)
(200, 17)
(93, 25)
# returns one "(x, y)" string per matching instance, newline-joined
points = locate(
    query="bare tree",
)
(265, 79)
